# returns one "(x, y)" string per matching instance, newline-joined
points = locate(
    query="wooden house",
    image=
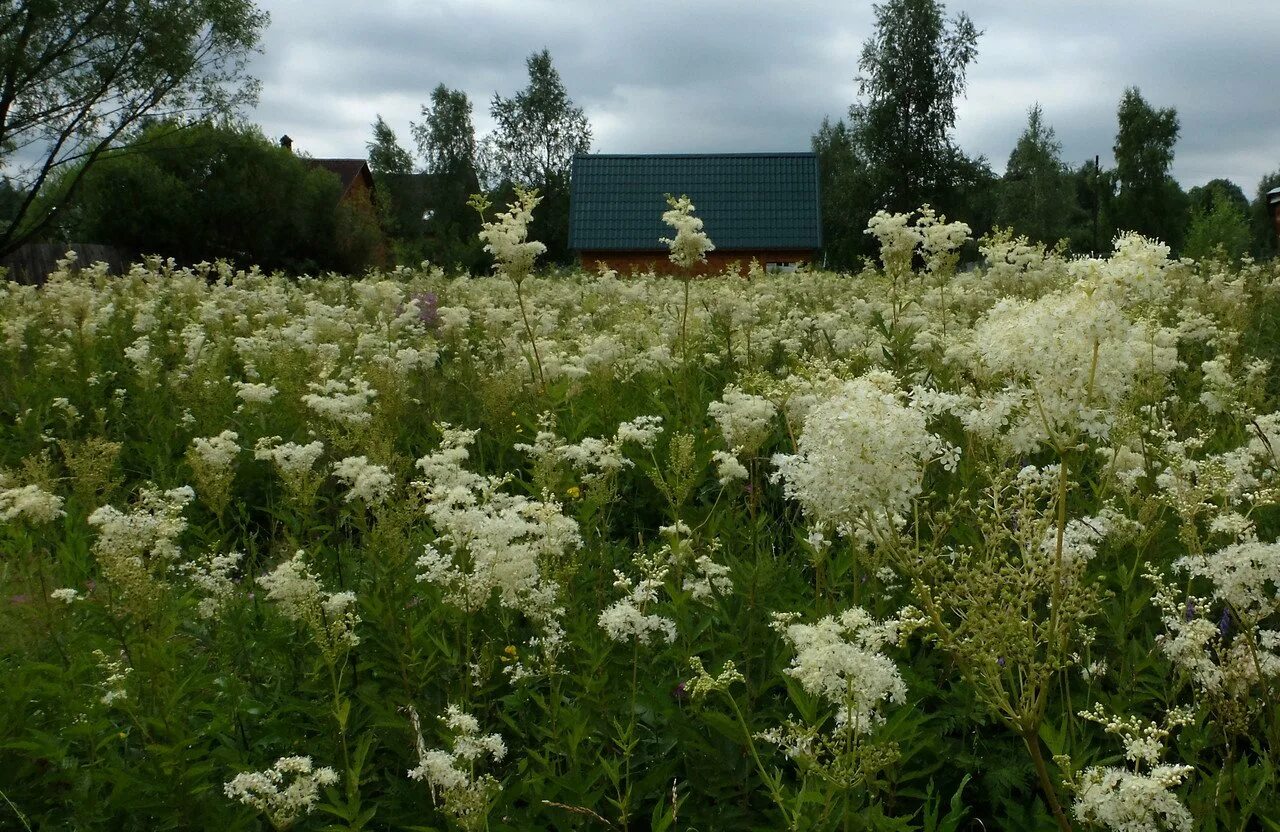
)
(753, 205)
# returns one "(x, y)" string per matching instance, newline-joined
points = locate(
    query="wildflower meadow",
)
(929, 546)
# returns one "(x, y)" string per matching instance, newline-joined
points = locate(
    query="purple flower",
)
(1191, 609)
(19, 600)
(1000, 661)
(1224, 623)
(428, 309)
(679, 693)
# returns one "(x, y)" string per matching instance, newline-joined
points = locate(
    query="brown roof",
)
(348, 170)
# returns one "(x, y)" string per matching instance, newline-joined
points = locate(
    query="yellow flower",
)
(509, 653)
(574, 492)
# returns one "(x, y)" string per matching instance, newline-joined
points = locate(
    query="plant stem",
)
(533, 342)
(1032, 740)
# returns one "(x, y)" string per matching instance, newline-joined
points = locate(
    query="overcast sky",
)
(728, 75)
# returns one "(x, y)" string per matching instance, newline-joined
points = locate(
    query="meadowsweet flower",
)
(488, 540)
(342, 402)
(839, 659)
(629, 618)
(860, 459)
(296, 464)
(728, 467)
(136, 550)
(451, 773)
(292, 459)
(898, 240)
(691, 244)
(1134, 800)
(505, 237)
(330, 617)
(255, 393)
(67, 596)
(745, 420)
(285, 792)
(29, 502)
(212, 460)
(368, 482)
(1245, 575)
(212, 575)
(115, 674)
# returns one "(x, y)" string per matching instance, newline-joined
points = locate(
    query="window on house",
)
(779, 268)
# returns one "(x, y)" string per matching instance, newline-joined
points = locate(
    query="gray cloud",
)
(665, 76)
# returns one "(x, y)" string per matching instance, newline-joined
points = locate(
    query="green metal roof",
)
(745, 200)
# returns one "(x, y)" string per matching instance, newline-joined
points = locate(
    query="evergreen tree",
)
(1036, 197)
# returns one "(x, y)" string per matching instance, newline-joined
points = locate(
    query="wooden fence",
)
(32, 263)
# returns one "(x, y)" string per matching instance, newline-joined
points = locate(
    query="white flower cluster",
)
(493, 541)
(861, 457)
(343, 402)
(506, 237)
(941, 240)
(66, 595)
(839, 659)
(898, 240)
(745, 420)
(1244, 575)
(115, 674)
(135, 550)
(1125, 800)
(254, 393)
(284, 792)
(593, 458)
(451, 773)
(292, 459)
(30, 502)
(329, 616)
(1076, 357)
(368, 482)
(728, 467)
(707, 578)
(212, 575)
(691, 244)
(628, 618)
(218, 452)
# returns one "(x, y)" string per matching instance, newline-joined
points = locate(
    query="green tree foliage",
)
(912, 71)
(1148, 200)
(77, 76)
(1091, 226)
(446, 142)
(1036, 194)
(446, 137)
(399, 207)
(539, 129)
(386, 155)
(1203, 196)
(205, 191)
(1222, 230)
(537, 133)
(846, 195)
